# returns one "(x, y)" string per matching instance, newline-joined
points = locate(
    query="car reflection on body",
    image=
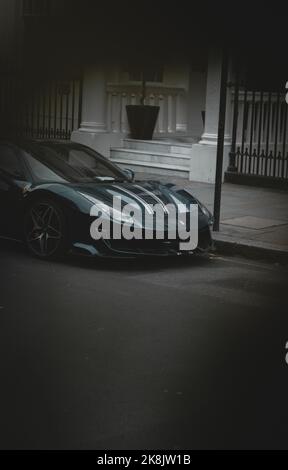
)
(48, 188)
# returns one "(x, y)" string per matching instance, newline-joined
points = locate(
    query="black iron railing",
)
(259, 136)
(49, 109)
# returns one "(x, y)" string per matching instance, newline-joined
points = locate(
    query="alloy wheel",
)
(43, 229)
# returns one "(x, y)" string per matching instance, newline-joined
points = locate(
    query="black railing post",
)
(232, 154)
(220, 141)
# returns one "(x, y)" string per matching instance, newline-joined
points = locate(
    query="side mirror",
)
(129, 173)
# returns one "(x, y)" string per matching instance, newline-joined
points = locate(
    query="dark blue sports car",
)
(47, 190)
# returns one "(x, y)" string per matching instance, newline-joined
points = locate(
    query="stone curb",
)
(224, 244)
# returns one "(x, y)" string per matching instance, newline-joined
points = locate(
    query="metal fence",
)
(259, 136)
(49, 109)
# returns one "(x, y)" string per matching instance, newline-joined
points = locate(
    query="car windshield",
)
(69, 163)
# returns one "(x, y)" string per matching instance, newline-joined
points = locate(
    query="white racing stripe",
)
(135, 196)
(156, 198)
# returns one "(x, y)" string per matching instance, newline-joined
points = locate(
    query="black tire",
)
(45, 229)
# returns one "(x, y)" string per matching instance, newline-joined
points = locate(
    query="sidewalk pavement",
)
(253, 222)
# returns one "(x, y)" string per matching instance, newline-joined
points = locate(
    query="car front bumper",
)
(138, 248)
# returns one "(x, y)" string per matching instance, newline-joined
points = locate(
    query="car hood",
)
(141, 193)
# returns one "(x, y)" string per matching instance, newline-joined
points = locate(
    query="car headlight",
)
(206, 212)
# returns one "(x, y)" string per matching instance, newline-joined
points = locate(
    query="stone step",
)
(155, 168)
(158, 146)
(132, 155)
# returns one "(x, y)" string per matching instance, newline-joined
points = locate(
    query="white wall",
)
(96, 130)
(202, 92)
(101, 142)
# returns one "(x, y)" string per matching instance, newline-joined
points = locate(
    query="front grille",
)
(163, 246)
(144, 246)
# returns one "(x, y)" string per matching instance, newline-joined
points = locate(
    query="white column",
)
(203, 160)
(210, 133)
(94, 100)
(93, 130)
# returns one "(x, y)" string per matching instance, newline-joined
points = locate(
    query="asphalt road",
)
(142, 355)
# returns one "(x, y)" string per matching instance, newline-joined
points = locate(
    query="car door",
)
(13, 179)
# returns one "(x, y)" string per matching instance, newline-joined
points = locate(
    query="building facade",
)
(75, 84)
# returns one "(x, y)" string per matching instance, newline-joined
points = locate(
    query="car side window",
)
(10, 163)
